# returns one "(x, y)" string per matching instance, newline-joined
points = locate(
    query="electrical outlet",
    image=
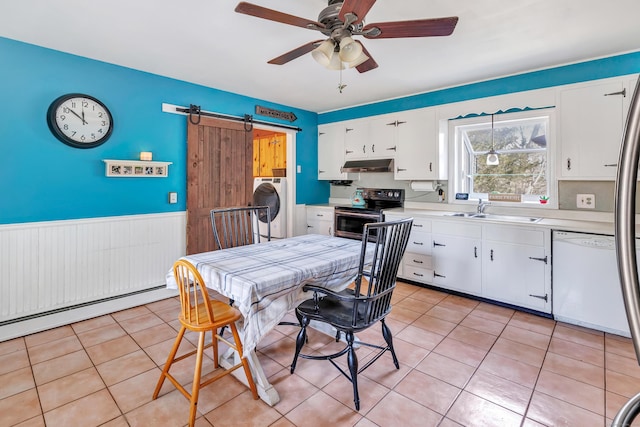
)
(586, 201)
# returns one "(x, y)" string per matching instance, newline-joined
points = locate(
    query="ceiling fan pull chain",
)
(248, 119)
(194, 109)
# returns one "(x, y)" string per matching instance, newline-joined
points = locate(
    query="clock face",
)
(79, 120)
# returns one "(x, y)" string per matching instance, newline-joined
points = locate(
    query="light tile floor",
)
(463, 362)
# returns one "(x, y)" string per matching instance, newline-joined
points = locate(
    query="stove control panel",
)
(396, 195)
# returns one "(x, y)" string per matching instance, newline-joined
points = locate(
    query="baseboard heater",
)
(81, 305)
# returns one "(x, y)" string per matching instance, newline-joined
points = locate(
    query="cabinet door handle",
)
(438, 244)
(364, 148)
(539, 259)
(418, 243)
(417, 261)
(391, 148)
(418, 274)
(544, 297)
(395, 124)
(348, 151)
(430, 166)
(417, 225)
(373, 148)
(400, 170)
(318, 214)
(320, 133)
(568, 163)
(475, 252)
(439, 275)
(623, 92)
(610, 165)
(491, 255)
(347, 130)
(321, 171)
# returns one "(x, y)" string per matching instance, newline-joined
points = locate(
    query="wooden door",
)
(219, 174)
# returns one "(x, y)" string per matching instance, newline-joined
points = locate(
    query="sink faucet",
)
(482, 206)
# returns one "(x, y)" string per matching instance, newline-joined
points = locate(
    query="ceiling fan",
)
(342, 19)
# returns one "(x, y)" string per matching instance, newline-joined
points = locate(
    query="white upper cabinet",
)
(419, 153)
(357, 144)
(591, 123)
(330, 152)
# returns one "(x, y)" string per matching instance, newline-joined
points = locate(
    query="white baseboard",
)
(54, 320)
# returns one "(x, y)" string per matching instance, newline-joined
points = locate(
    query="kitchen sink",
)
(496, 217)
(463, 214)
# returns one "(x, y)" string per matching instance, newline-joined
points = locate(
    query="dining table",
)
(266, 280)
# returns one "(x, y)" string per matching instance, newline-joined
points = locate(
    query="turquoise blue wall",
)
(42, 179)
(591, 70)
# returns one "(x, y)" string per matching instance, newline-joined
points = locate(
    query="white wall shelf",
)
(136, 169)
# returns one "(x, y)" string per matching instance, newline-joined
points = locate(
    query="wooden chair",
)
(201, 314)
(361, 306)
(239, 226)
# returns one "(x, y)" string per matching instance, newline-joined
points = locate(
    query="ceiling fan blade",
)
(417, 28)
(367, 65)
(357, 7)
(274, 15)
(295, 53)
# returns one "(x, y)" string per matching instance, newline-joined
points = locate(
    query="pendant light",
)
(492, 155)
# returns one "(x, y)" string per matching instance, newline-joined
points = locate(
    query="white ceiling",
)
(207, 43)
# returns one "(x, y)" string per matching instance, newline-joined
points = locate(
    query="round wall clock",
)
(79, 120)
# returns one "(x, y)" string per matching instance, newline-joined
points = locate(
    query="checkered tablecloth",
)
(265, 280)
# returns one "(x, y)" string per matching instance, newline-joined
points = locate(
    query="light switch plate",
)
(173, 197)
(586, 201)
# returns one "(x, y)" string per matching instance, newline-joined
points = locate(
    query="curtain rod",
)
(194, 109)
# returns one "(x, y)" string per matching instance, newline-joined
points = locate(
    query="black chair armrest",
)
(341, 295)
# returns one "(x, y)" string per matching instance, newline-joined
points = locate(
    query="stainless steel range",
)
(350, 220)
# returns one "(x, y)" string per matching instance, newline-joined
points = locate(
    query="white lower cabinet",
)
(456, 256)
(320, 220)
(504, 263)
(516, 266)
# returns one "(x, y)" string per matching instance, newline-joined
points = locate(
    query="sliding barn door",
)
(219, 174)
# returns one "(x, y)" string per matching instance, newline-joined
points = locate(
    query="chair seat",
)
(335, 312)
(223, 313)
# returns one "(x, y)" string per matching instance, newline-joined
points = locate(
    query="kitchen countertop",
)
(555, 219)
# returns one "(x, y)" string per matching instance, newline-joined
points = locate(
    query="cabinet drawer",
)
(421, 225)
(419, 243)
(320, 213)
(417, 260)
(418, 274)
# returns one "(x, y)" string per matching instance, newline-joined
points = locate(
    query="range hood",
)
(371, 165)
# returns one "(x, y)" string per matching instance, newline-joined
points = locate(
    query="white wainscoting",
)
(58, 272)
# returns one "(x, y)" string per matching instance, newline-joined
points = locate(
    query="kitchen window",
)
(507, 154)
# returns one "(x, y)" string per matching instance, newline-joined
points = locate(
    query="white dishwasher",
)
(586, 285)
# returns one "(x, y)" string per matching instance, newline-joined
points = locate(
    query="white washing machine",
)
(272, 192)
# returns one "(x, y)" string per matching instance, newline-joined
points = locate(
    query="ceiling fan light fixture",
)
(323, 53)
(335, 63)
(349, 49)
(359, 60)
